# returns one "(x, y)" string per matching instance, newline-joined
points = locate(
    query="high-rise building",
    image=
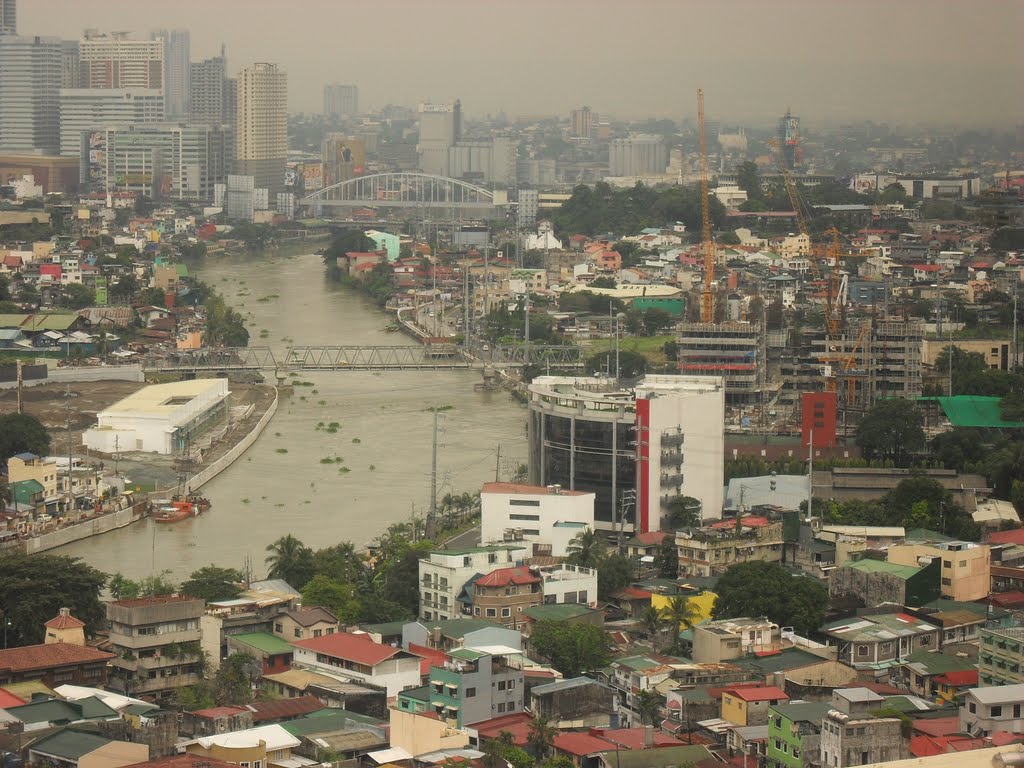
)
(582, 123)
(29, 93)
(341, 100)
(208, 92)
(165, 161)
(116, 61)
(8, 17)
(82, 109)
(71, 70)
(789, 139)
(440, 129)
(177, 57)
(261, 142)
(638, 155)
(636, 447)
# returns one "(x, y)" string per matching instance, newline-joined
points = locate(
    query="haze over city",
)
(911, 62)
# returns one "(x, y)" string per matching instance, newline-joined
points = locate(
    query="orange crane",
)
(707, 297)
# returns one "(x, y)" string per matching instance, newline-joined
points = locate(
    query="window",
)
(947, 564)
(317, 632)
(501, 707)
(279, 628)
(524, 503)
(511, 684)
(946, 582)
(502, 685)
(506, 612)
(583, 596)
(298, 632)
(1016, 711)
(519, 516)
(996, 711)
(491, 613)
(476, 611)
(467, 562)
(971, 708)
(962, 564)
(886, 647)
(862, 651)
(926, 640)
(470, 693)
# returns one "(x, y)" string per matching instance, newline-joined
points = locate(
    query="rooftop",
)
(263, 641)
(504, 577)
(558, 611)
(307, 617)
(31, 657)
(351, 647)
(562, 685)
(166, 400)
(998, 694)
(280, 709)
(522, 489)
(766, 693)
(275, 736)
(870, 565)
(70, 744)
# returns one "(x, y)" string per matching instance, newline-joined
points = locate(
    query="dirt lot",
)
(54, 404)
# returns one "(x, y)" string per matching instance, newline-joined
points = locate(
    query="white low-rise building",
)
(359, 657)
(444, 574)
(568, 584)
(162, 418)
(547, 518)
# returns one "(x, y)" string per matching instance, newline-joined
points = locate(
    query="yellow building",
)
(749, 706)
(419, 735)
(703, 603)
(28, 466)
(966, 566)
(65, 628)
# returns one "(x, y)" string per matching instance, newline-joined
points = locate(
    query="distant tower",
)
(177, 72)
(789, 139)
(65, 628)
(582, 123)
(261, 142)
(8, 17)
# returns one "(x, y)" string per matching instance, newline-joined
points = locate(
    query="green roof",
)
(327, 720)
(803, 711)
(926, 534)
(417, 694)
(975, 411)
(182, 270)
(263, 642)
(558, 612)
(935, 663)
(457, 628)
(790, 658)
(24, 490)
(907, 704)
(978, 609)
(386, 629)
(93, 708)
(476, 550)
(657, 758)
(70, 744)
(48, 711)
(870, 565)
(467, 653)
(40, 321)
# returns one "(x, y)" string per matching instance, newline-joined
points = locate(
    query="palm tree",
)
(649, 706)
(653, 622)
(290, 560)
(587, 548)
(541, 737)
(680, 614)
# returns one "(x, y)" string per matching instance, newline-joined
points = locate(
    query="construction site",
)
(861, 358)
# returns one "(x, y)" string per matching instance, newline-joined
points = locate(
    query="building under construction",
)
(872, 359)
(735, 351)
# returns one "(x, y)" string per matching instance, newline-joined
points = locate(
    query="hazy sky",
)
(947, 61)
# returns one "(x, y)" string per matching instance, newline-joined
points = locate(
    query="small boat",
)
(176, 511)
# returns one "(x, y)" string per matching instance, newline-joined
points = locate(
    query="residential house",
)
(268, 746)
(950, 687)
(579, 702)
(337, 734)
(420, 734)
(156, 647)
(28, 466)
(331, 690)
(456, 633)
(748, 705)
(273, 653)
(567, 613)
(74, 748)
(712, 549)
(358, 657)
(881, 582)
(919, 672)
(568, 584)
(44, 712)
(54, 664)
(1001, 656)
(646, 544)
(214, 720)
(852, 735)
(444, 574)
(992, 708)
(477, 684)
(65, 628)
(301, 623)
(534, 516)
(727, 639)
(503, 595)
(284, 710)
(254, 610)
(879, 642)
(966, 574)
(632, 675)
(794, 733)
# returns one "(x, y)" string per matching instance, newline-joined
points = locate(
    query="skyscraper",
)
(176, 71)
(30, 71)
(8, 17)
(789, 139)
(71, 75)
(341, 100)
(440, 129)
(115, 61)
(207, 86)
(82, 109)
(261, 141)
(582, 123)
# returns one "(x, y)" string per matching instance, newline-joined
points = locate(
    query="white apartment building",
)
(261, 139)
(992, 708)
(115, 61)
(444, 574)
(546, 518)
(568, 584)
(84, 109)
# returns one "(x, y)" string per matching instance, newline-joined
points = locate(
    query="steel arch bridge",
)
(401, 190)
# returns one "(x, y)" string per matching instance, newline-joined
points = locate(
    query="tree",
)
(587, 548)
(760, 588)
(33, 589)
(748, 179)
(502, 752)
(22, 433)
(339, 562)
(679, 614)
(631, 364)
(336, 597)
(123, 588)
(649, 706)
(541, 737)
(613, 573)
(212, 583)
(572, 649)
(666, 558)
(291, 560)
(193, 697)
(653, 622)
(684, 512)
(892, 429)
(655, 320)
(603, 282)
(235, 680)
(77, 296)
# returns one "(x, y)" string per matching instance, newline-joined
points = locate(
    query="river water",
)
(384, 439)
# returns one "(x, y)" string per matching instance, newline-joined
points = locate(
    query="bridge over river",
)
(361, 358)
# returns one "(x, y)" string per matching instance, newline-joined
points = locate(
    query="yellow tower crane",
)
(707, 297)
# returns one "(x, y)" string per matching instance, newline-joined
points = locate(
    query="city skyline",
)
(910, 62)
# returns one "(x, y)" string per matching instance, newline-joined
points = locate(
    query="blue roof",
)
(26, 456)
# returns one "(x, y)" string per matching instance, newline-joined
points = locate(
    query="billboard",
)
(101, 291)
(97, 165)
(292, 171)
(312, 177)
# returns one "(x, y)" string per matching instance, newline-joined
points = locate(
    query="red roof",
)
(431, 657)
(503, 577)
(518, 724)
(631, 593)
(184, 761)
(65, 622)
(280, 709)
(749, 521)
(528, 490)
(633, 738)
(581, 744)
(1008, 599)
(937, 726)
(1016, 536)
(767, 693)
(342, 645)
(650, 538)
(928, 746)
(963, 677)
(214, 712)
(48, 656)
(926, 267)
(145, 602)
(8, 699)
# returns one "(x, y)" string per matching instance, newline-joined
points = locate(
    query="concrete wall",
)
(82, 530)
(85, 373)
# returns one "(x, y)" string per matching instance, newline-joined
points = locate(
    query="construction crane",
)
(707, 297)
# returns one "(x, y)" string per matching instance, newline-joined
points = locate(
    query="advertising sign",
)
(101, 291)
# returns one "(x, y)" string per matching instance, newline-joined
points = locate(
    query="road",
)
(470, 538)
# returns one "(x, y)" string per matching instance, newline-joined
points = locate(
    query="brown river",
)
(283, 483)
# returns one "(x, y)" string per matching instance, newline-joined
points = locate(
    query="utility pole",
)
(1013, 367)
(497, 465)
(526, 329)
(466, 336)
(433, 479)
(21, 382)
(810, 473)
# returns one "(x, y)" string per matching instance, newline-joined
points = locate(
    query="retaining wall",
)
(84, 373)
(83, 530)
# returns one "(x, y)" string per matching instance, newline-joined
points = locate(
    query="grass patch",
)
(344, 470)
(245, 501)
(651, 347)
(269, 297)
(373, 467)
(439, 408)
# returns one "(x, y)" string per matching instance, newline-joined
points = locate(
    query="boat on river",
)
(171, 511)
